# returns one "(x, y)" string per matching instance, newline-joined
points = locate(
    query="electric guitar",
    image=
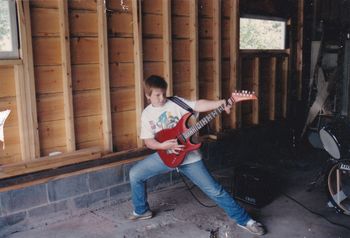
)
(183, 133)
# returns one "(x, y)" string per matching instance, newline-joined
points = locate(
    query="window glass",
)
(260, 34)
(8, 29)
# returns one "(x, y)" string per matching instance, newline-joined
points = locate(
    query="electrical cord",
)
(315, 213)
(193, 195)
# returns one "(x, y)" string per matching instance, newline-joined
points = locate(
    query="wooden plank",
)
(10, 62)
(10, 103)
(167, 46)
(284, 87)
(104, 77)
(272, 89)
(181, 50)
(150, 68)
(47, 51)
(22, 113)
(44, 3)
(119, 24)
(206, 26)
(217, 57)
(50, 107)
(255, 82)
(83, 5)
(234, 55)
(181, 71)
(66, 75)
(121, 50)
(88, 129)
(30, 113)
(84, 50)
(138, 67)
(152, 50)
(180, 8)
(152, 6)
(7, 82)
(206, 52)
(83, 23)
(85, 77)
(180, 26)
(48, 79)
(87, 103)
(45, 22)
(205, 8)
(52, 136)
(124, 133)
(121, 75)
(193, 26)
(152, 25)
(12, 152)
(49, 162)
(123, 99)
(299, 50)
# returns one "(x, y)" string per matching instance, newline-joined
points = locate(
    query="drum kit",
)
(335, 138)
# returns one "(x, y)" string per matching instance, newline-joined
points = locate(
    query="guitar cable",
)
(193, 195)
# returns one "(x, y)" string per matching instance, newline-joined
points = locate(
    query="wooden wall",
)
(88, 68)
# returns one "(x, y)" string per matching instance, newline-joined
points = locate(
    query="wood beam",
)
(66, 75)
(167, 45)
(217, 56)
(104, 76)
(234, 55)
(284, 89)
(194, 88)
(256, 77)
(299, 50)
(28, 96)
(138, 65)
(272, 88)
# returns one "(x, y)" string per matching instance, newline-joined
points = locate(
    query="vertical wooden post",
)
(217, 56)
(284, 83)
(167, 44)
(299, 52)
(104, 76)
(138, 65)
(66, 75)
(256, 77)
(272, 89)
(194, 88)
(234, 55)
(28, 95)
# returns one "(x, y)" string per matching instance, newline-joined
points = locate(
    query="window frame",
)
(14, 53)
(267, 18)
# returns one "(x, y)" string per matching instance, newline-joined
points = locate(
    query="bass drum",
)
(335, 138)
(338, 186)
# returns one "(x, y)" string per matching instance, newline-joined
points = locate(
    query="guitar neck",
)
(204, 121)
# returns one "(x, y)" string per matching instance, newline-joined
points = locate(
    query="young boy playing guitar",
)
(159, 116)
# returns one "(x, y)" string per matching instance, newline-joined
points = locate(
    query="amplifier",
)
(254, 185)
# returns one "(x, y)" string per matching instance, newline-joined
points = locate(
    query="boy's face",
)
(157, 97)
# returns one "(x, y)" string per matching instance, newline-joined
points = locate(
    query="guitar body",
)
(173, 160)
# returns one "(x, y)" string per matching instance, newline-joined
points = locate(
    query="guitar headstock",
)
(242, 95)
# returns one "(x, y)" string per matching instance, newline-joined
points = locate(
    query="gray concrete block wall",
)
(74, 195)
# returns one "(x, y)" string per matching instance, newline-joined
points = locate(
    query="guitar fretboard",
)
(204, 121)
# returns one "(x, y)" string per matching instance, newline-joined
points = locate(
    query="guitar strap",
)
(181, 104)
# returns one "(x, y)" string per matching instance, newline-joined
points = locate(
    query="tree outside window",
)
(8, 30)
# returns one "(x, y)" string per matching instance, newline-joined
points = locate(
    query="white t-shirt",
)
(155, 119)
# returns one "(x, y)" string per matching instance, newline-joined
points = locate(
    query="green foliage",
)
(261, 34)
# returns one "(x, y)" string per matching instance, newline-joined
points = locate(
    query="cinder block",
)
(12, 219)
(91, 199)
(120, 192)
(16, 200)
(68, 187)
(106, 178)
(48, 209)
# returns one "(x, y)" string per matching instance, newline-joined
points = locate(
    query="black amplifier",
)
(254, 185)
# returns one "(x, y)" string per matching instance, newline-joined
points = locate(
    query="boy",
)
(162, 114)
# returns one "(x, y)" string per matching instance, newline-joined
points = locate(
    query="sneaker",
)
(134, 216)
(254, 227)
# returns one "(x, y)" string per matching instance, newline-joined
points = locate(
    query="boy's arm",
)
(204, 105)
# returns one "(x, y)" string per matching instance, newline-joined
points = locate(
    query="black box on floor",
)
(254, 185)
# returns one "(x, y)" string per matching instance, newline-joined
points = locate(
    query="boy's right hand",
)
(172, 146)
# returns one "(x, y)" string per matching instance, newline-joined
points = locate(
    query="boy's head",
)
(154, 82)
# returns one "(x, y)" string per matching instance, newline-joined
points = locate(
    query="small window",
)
(262, 34)
(8, 30)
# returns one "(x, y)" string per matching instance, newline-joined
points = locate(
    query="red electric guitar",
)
(183, 134)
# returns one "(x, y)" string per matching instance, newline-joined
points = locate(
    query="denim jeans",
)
(152, 165)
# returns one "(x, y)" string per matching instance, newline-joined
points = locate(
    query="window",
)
(8, 30)
(262, 34)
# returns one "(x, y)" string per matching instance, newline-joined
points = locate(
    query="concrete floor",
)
(179, 215)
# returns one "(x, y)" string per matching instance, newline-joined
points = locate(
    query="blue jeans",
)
(152, 165)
